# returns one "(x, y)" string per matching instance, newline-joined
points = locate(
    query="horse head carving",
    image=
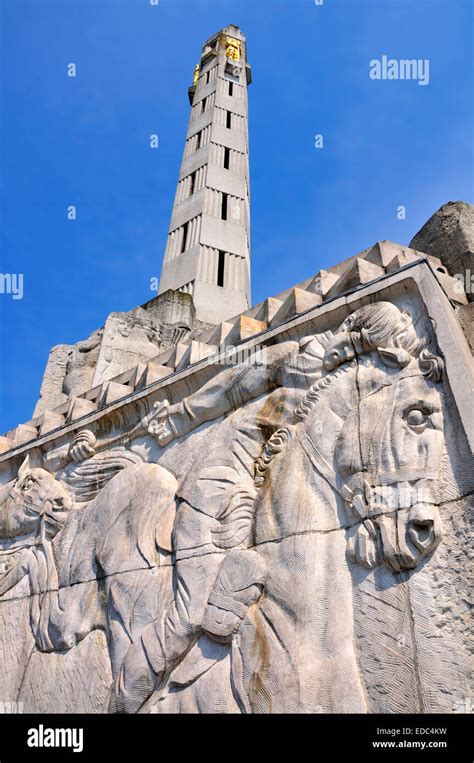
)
(32, 511)
(36, 505)
(381, 444)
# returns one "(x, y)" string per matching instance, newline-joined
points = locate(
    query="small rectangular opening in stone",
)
(220, 269)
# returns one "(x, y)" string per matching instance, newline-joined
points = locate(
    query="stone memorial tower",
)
(208, 248)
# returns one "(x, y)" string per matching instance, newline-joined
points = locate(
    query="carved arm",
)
(229, 390)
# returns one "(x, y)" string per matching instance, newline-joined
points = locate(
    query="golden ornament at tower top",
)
(232, 48)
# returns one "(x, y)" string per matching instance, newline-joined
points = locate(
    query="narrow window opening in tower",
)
(185, 235)
(192, 184)
(198, 140)
(224, 206)
(207, 78)
(226, 158)
(229, 120)
(231, 88)
(203, 105)
(220, 269)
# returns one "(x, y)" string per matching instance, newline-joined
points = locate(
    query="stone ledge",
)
(419, 271)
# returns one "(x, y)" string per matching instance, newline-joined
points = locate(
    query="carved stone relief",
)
(69, 372)
(274, 542)
(129, 338)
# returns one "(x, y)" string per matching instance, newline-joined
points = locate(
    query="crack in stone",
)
(416, 663)
(99, 578)
(23, 678)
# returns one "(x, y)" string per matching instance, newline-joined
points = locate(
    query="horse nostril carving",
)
(421, 533)
(61, 504)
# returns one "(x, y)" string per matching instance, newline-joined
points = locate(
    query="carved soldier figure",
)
(216, 510)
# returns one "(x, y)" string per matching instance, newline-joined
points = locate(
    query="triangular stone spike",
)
(358, 273)
(250, 313)
(6, 444)
(131, 376)
(112, 392)
(178, 352)
(296, 302)
(194, 352)
(51, 420)
(282, 296)
(383, 252)
(322, 282)
(401, 259)
(79, 407)
(95, 393)
(244, 328)
(205, 336)
(161, 359)
(304, 284)
(268, 309)
(314, 285)
(153, 372)
(220, 333)
(380, 253)
(23, 433)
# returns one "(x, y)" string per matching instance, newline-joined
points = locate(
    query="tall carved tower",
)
(208, 248)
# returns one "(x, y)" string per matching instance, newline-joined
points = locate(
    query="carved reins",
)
(354, 500)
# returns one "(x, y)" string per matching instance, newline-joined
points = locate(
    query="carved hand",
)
(160, 424)
(83, 446)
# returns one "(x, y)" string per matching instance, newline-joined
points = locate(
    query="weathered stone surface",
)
(168, 321)
(465, 316)
(69, 372)
(52, 391)
(449, 235)
(125, 341)
(285, 534)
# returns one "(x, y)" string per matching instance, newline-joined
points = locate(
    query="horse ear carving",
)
(24, 468)
(32, 461)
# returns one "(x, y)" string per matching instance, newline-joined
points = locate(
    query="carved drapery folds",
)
(232, 545)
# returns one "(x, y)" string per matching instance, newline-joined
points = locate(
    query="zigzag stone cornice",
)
(169, 370)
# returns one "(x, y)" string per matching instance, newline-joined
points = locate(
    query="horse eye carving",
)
(417, 418)
(29, 482)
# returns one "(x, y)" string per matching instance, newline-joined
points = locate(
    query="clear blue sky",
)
(85, 141)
